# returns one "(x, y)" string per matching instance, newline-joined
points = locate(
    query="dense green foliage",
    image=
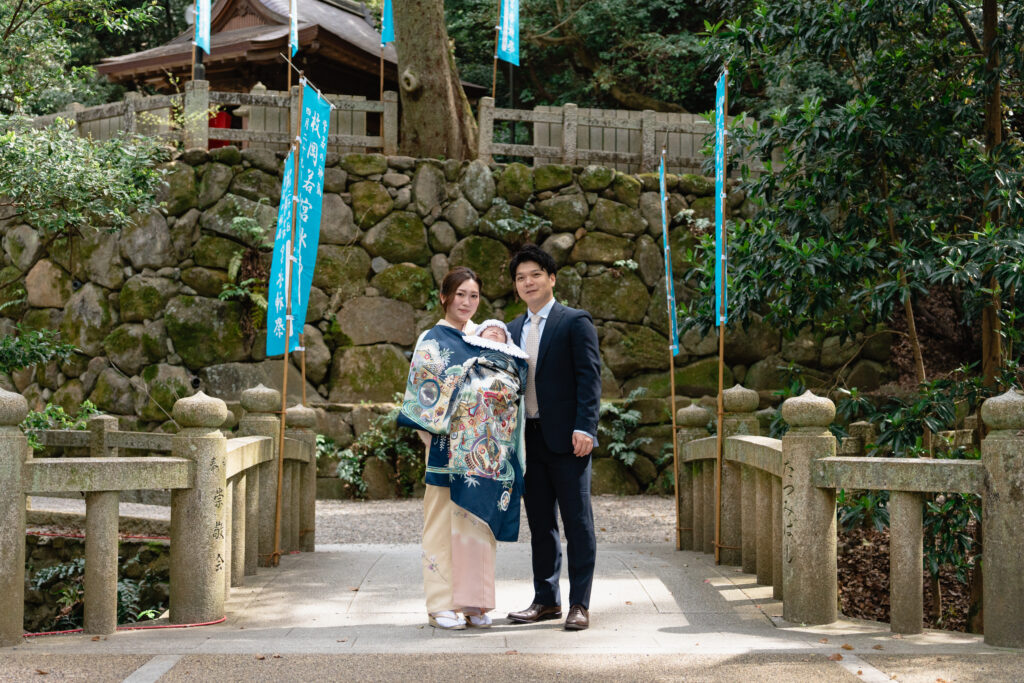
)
(31, 347)
(54, 417)
(880, 187)
(60, 183)
(48, 47)
(603, 53)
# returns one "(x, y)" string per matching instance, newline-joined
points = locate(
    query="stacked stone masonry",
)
(143, 306)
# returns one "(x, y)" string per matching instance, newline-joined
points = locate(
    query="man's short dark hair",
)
(532, 253)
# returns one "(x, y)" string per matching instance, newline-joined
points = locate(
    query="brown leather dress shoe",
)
(578, 619)
(536, 612)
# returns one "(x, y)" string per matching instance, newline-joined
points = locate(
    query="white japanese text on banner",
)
(721, 272)
(316, 118)
(508, 32)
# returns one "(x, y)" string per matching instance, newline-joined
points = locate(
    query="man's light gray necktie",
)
(532, 347)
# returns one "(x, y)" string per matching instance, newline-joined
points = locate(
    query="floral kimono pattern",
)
(471, 398)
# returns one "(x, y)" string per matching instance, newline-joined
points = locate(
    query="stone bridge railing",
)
(778, 517)
(223, 500)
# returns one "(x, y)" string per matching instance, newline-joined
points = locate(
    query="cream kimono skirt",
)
(458, 556)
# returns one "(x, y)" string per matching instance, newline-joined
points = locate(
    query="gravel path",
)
(619, 519)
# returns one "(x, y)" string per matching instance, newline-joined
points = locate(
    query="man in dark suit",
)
(563, 396)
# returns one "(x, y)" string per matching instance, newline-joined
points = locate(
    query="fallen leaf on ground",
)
(898, 636)
(277, 656)
(836, 657)
(511, 652)
(628, 602)
(260, 657)
(877, 647)
(846, 647)
(95, 638)
(354, 588)
(860, 672)
(823, 640)
(603, 529)
(42, 672)
(342, 640)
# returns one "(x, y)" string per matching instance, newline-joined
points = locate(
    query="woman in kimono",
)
(464, 397)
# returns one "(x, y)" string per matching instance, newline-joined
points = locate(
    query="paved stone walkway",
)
(355, 612)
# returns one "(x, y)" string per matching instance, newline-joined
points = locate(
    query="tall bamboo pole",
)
(296, 149)
(494, 70)
(720, 439)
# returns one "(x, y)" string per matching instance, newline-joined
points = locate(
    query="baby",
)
(493, 334)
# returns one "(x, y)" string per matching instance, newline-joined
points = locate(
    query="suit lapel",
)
(515, 329)
(550, 327)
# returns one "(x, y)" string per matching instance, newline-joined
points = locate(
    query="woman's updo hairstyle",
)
(453, 280)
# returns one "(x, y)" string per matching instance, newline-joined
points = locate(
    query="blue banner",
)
(721, 273)
(508, 32)
(293, 34)
(202, 23)
(316, 119)
(387, 25)
(670, 287)
(277, 303)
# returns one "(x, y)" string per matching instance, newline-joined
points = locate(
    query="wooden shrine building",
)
(339, 50)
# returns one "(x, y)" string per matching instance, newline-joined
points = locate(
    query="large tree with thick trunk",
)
(436, 118)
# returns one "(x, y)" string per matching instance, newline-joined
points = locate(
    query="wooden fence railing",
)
(269, 118)
(223, 500)
(629, 141)
(778, 498)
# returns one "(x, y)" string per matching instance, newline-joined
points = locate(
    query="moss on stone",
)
(178, 191)
(405, 282)
(510, 224)
(598, 247)
(596, 178)
(370, 203)
(566, 212)
(489, 258)
(616, 219)
(254, 184)
(611, 476)
(615, 295)
(372, 373)
(206, 331)
(364, 164)
(144, 298)
(516, 184)
(341, 269)
(703, 207)
(551, 177)
(12, 292)
(568, 285)
(691, 183)
(398, 238)
(627, 189)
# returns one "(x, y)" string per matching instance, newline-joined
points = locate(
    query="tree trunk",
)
(436, 118)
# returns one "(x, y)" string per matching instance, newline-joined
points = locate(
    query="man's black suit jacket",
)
(568, 375)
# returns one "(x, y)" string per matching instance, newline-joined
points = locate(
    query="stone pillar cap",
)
(692, 416)
(300, 416)
(808, 410)
(13, 408)
(739, 399)
(260, 399)
(1005, 411)
(200, 410)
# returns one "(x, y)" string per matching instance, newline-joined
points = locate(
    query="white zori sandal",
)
(478, 620)
(448, 620)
